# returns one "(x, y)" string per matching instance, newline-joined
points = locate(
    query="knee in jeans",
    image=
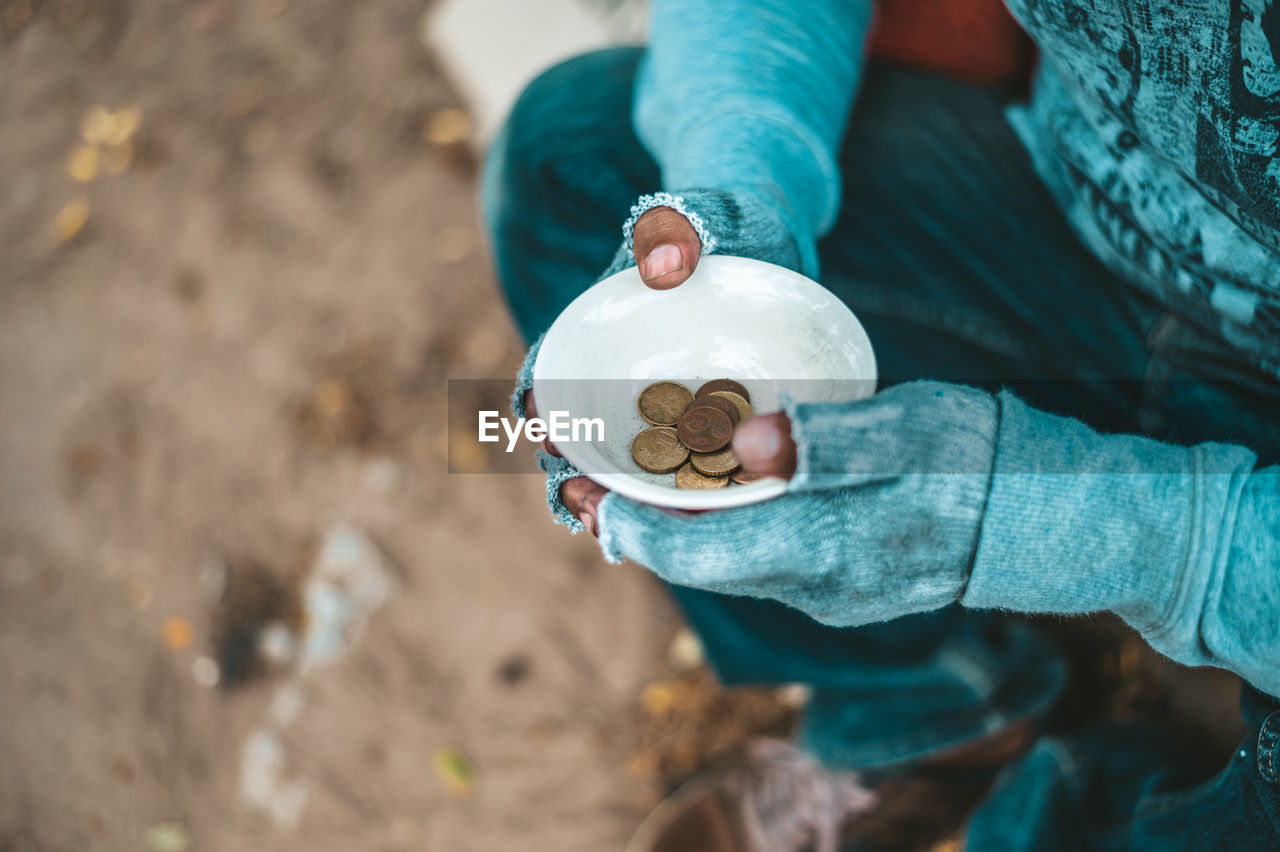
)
(566, 110)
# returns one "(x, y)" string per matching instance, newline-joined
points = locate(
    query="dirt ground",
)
(246, 343)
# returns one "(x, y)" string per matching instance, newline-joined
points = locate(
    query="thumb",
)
(666, 247)
(764, 445)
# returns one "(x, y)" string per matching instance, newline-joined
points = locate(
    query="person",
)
(1074, 300)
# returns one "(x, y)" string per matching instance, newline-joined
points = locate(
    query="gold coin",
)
(662, 403)
(704, 429)
(724, 384)
(658, 450)
(742, 477)
(744, 407)
(687, 477)
(719, 463)
(718, 402)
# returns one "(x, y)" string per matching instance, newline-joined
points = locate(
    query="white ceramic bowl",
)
(771, 329)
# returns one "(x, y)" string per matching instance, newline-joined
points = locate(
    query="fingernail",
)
(756, 443)
(588, 521)
(663, 259)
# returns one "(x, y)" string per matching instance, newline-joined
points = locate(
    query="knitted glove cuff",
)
(559, 470)
(739, 223)
(645, 203)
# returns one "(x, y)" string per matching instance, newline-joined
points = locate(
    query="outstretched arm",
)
(929, 493)
(1183, 543)
(752, 98)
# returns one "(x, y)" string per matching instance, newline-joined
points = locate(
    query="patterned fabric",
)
(1156, 125)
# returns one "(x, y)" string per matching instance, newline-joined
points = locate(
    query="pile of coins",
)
(691, 432)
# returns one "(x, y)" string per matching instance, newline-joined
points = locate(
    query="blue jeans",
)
(961, 268)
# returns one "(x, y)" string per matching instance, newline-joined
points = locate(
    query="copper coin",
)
(742, 477)
(662, 403)
(725, 385)
(738, 400)
(704, 429)
(687, 477)
(658, 450)
(728, 406)
(720, 463)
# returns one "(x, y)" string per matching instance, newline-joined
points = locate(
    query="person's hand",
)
(880, 518)
(580, 495)
(667, 248)
(665, 238)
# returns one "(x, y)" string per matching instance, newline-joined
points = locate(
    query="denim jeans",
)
(961, 268)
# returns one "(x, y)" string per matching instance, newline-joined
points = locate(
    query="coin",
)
(723, 385)
(738, 400)
(658, 450)
(704, 429)
(661, 403)
(687, 477)
(715, 464)
(728, 406)
(742, 477)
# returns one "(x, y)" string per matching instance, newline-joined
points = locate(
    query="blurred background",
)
(242, 603)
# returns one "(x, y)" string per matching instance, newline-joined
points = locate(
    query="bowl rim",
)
(631, 486)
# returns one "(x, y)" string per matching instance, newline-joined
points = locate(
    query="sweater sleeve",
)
(1183, 543)
(749, 96)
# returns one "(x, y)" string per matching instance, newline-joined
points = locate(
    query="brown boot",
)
(932, 800)
(779, 799)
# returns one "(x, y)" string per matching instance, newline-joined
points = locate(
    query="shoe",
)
(777, 799)
(780, 799)
(931, 801)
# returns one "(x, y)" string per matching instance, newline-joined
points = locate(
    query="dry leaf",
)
(454, 771)
(466, 456)
(659, 697)
(124, 123)
(330, 397)
(447, 126)
(71, 218)
(83, 164)
(95, 124)
(168, 837)
(685, 651)
(178, 634)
